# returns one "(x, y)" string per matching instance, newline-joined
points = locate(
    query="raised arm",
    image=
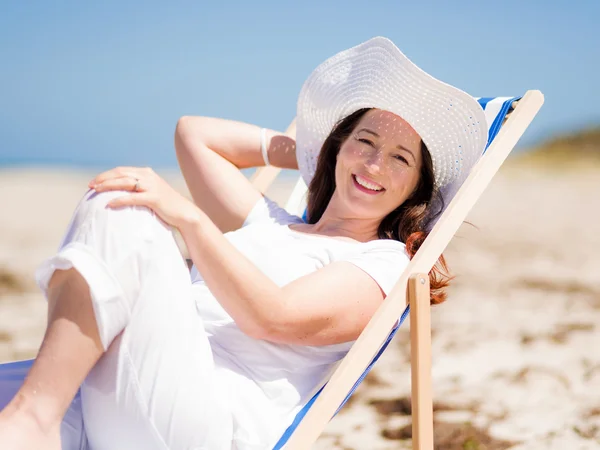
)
(211, 153)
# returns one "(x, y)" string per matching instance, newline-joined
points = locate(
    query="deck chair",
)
(411, 289)
(508, 118)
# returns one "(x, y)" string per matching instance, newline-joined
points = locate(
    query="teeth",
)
(366, 184)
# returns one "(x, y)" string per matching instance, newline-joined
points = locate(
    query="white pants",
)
(155, 387)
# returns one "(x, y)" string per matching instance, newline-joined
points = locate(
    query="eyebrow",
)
(399, 147)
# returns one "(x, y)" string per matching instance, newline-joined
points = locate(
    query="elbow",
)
(262, 331)
(268, 328)
(271, 320)
(187, 131)
(255, 332)
(281, 332)
(185, 123)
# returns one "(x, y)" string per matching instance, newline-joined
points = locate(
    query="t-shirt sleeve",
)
(384, 263)
(266, 210)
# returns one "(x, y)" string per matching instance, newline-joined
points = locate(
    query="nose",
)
(374, 163)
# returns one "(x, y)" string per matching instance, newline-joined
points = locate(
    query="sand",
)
(516, 348)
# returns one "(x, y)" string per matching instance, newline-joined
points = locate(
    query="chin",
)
(363, 211)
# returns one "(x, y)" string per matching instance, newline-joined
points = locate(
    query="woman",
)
(227, 360)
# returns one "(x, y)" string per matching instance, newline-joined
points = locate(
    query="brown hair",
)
(407, 223)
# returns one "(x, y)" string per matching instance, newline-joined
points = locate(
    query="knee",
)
(135, 219)
(95, 202)
(94, 221)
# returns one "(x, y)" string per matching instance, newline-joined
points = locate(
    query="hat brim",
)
(376, 74)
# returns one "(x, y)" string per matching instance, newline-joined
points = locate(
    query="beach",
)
(516, 347)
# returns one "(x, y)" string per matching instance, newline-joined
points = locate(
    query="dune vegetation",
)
(574, 150)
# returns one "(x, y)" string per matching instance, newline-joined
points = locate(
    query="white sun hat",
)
(376, 74)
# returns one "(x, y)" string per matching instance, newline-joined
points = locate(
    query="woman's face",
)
(378, 165)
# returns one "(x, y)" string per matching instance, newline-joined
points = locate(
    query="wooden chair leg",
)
(420, 354)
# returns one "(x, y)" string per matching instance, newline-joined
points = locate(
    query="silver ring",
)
(136, 187)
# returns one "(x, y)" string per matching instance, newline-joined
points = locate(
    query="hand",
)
(148, 189)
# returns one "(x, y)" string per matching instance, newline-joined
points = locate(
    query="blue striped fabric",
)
(287, 434)
(496, 109)
(483, 101)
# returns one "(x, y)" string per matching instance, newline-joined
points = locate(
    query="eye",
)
(401, 158)
(365, 141)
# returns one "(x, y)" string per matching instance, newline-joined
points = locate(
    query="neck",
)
(335, 222)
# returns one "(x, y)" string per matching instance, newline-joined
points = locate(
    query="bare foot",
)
(21, 432)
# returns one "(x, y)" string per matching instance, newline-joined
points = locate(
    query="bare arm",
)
(211, 153)
(293, 314)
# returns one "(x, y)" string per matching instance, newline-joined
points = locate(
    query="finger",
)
(115, 184)
(141, 199)
(117, 172)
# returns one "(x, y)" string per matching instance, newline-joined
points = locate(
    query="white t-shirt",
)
(269, 382)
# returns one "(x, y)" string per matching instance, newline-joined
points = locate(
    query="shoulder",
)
(267, 211)
(383, 259)
(390, 245)
(382, 248)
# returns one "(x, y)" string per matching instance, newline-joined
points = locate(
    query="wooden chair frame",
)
(411, 288)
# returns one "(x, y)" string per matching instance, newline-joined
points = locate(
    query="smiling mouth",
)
(366, 186)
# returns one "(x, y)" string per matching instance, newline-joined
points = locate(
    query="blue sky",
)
(99, 84)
